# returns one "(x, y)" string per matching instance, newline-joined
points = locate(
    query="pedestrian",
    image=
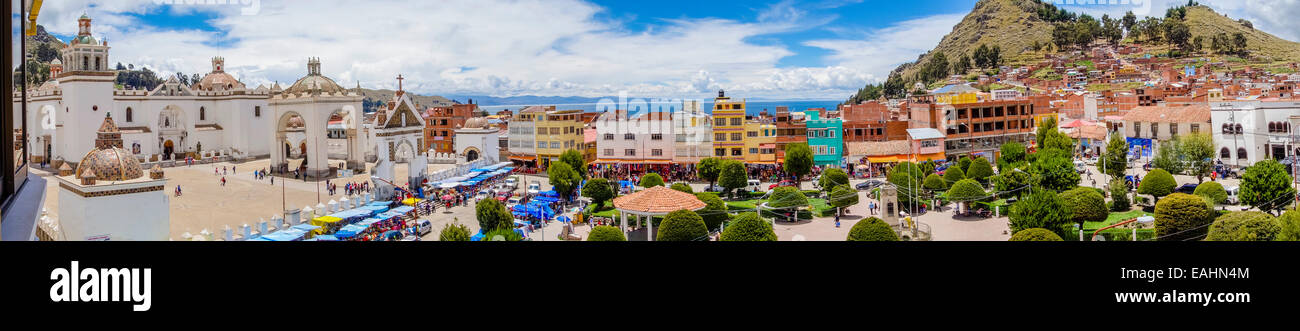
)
(223, 181)
(272, 181)
(837, 220)
(178, 191)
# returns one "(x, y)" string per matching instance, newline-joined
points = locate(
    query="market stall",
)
(327, 224)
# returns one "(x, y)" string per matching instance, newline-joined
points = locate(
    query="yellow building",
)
(956, 94)
(728, 128)
(558, 131)
(760, 142)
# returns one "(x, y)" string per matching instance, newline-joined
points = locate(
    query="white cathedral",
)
(216, 116)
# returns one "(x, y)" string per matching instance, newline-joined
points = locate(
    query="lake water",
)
(753, 108)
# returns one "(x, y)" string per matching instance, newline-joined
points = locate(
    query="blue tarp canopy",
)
(350, 231)
(305, 227)
(326, 237)
(551, 193)
(260, 239)
(286, 235)
(626, 183)
(376, 209)
(403, 209)
(388, 215)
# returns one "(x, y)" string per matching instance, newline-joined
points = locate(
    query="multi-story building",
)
(1251, 131)
(441, 124)
(523, 134)
(558, 131)
(760, 141)
(646, 138)
(728, 128)
(1153, 124)
(790, 129)
(825, 139)
(693, 134)
(980, 128)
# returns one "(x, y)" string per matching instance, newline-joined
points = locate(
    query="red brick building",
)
(441, 124)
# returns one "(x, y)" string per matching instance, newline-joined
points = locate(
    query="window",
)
(555, 131)
(609, 136)
(719, 137)
(737, 152)
(753, 151)
(735, 136)
(1224, 153)
(1241, 153)
(1173, 129)
(629, 152)
(555, 144)
(657, 152)
(830, 133)
(1196, 128)
(1154, 127)
(1137, 129)
(128, 114)
(257, 111)
(203, 115)
(609, 152)
(657, 136)
(628, 136)
(832, 151)
(719, 122)
(735, 121)
(751, 134)
(541, 144)
(1238, 129)
(720, 152)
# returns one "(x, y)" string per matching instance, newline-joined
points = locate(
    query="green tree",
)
(1014, 154)
(1157, 183)
(832, 178)
(599, 191)
(748, 227)
(651, 180)
(682, 225)
(1119, 195)
(1179, 34)
(1048, 125)
(1042, 209)
(1036, 234)
(787, 197)
(966, 191)
(934, 183)
(682, 187)
(734, 176)
(1129, 21)
(872, 229)
(1058, 140)
(1214, 191)
(798, 161)
(1182, 217)
(454, 231)
(714, 212)
(1289, 225)
(564, 180)
(1086, 205)
(575, 160)
(1012, 183)
(709, 169)
(980, 170)
(606, 233)
(953, 175)
(842, 197)
(907, 177)
(1239, 43)
(1267, 186)
(1167, 157)
(1115, 161)
(964, 164)
(492, 214)
(1244, 226)
(1054, 171)
(502, 234)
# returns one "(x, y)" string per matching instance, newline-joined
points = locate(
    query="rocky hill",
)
(378, 97)
(1014, 25)
(1204, 22)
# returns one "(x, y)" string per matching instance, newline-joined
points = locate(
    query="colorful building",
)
(692, 133)
(728, 128)
(558, 131)
(760, 141)
(440, 124)
(523, 134)
(825, 139)
(790, 129)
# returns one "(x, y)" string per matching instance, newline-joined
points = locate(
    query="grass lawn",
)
(1114, 218)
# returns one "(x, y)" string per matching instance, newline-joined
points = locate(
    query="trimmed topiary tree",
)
(606, 233)
(964, 164)
(502, 234)
(786, 197)
(953, 175)
(832, 178)
(734, 176)
(682, 187)
(709, 169)
(1214, 191)
(1036, 234)
(1267, 186)
(714, 212)
(1182, 217)
(682, 225)
(599, 191)
(1244, 226)
(1086, 205)
(966, 191)
(980, 170)
(454, 231)
(651, 180)
(934, 183)
(872, 229)
(1157, 184)
(1289, 224)
(748, 227)
(1042, 209)
(492, 215)
(1119, 195)
(842, 197)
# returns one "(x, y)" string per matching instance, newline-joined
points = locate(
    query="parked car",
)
(512, 201)
(1080, 166)
(1092, 161)
(534, 188)
(1233, 192)
(423, 227)
(868, 185)
(781, 184)
(753, 186)
(714, 188)
(482, 195)
(1186, 189)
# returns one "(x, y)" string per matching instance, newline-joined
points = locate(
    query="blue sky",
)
(784, 49)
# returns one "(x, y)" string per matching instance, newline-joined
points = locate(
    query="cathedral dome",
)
(314, 81)
(476, 123)
(217, 81)
(109, 161)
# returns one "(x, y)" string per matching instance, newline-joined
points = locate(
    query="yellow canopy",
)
(411, 201)
(322, 222)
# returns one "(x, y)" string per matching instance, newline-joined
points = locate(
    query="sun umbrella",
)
(448, 197)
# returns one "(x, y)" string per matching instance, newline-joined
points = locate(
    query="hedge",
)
(1244, 226)
(872, 229)
(682, 225)
(748, 227)
(1182, 217)
(606, 233)
(1036, 234)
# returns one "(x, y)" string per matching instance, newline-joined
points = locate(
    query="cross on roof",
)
(399, 82)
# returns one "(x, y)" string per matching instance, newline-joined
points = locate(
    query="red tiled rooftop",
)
(658, 200)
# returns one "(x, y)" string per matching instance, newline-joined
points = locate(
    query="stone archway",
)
(168, 149)
(472, 154)
(405, 152)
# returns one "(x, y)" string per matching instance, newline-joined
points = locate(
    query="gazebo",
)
(654, 202)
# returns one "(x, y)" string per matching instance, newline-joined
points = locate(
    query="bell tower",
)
(218, 64)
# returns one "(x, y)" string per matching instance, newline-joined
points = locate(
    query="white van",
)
(534, 188)
(1233, 191)
(754, 186)
(423, 227)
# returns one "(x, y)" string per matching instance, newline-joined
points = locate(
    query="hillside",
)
(381, 96)
(1012, 24)
(1204, 22)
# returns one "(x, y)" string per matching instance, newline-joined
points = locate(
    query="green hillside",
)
(1206, 23)
(1012, 24)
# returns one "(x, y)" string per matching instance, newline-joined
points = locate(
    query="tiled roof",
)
(658, 200)
(878, 148)
(1193, 113)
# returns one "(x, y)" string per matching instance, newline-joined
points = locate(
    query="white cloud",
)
(878, 52)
